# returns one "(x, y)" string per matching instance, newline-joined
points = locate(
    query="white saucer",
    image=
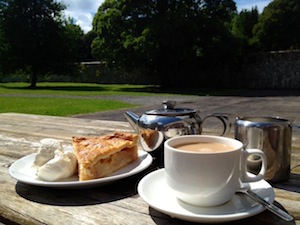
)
(23, 171)
(154, 190)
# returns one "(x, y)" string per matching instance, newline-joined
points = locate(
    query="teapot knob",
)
(168, 104)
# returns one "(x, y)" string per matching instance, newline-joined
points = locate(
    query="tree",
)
(278, 26)
(35, 34)
(243, 24)
(87, 46)
(169, 39)
(74, 41)
(4, 45)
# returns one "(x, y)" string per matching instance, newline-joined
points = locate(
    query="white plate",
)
(23, 171)
(154, 190)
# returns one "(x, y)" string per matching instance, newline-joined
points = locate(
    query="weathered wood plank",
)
(61, 128)
(116, 203)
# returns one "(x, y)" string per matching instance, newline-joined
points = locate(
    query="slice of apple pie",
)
(101, 156)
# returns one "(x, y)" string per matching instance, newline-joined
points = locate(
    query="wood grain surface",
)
(116, 203)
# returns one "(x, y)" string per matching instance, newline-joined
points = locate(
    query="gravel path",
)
(275, 103)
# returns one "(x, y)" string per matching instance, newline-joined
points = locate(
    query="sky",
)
(83, 11)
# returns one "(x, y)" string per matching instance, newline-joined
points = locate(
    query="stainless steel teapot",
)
(157, 125)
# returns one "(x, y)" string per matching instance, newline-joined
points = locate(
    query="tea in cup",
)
(206, 170)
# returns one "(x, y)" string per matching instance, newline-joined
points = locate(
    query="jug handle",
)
(224, 118)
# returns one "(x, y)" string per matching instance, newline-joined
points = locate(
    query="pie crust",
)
(102, 155)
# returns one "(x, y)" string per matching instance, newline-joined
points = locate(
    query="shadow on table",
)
(264, 218)
(120, 189)
(293, 184)
(79, 197)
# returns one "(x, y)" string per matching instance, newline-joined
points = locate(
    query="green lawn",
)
(57, 106)
(80, 89)
(65, 99)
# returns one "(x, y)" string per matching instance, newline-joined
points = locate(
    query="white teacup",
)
(208, 176)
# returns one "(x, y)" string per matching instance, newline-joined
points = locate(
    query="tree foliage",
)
(243, 24)
(278, 26)
(74, 37)
(174, 40)
(86, 51)
(37, 37)
(170, 39)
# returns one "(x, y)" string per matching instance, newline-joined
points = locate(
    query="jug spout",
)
(133, 119)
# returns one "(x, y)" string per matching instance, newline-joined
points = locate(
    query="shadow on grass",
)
(59, 87)
(156, 89)
(151, 89)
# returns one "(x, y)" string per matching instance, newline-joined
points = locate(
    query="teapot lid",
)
(170, 110)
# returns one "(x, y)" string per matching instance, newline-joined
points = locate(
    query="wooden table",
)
(116, 203)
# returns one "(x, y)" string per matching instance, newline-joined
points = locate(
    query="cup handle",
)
(249, 177)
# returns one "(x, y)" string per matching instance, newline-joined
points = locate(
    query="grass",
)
(79, 89)
(57, 106)
(65, 99)
(87, 89)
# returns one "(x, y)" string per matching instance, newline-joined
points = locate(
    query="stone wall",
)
(97, 72)
(273, 70)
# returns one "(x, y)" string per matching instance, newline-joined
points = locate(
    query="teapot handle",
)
(225, 119)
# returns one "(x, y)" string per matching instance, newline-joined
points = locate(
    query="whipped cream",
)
(46, 151)
(62, 166)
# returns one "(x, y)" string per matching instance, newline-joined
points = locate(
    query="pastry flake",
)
(101, 156)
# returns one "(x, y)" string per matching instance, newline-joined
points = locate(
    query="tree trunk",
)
(33, 77)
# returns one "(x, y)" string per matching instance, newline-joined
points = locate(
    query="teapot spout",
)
(133, 119)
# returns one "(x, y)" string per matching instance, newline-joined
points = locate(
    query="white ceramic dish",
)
(22, 171)
(154, 191)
